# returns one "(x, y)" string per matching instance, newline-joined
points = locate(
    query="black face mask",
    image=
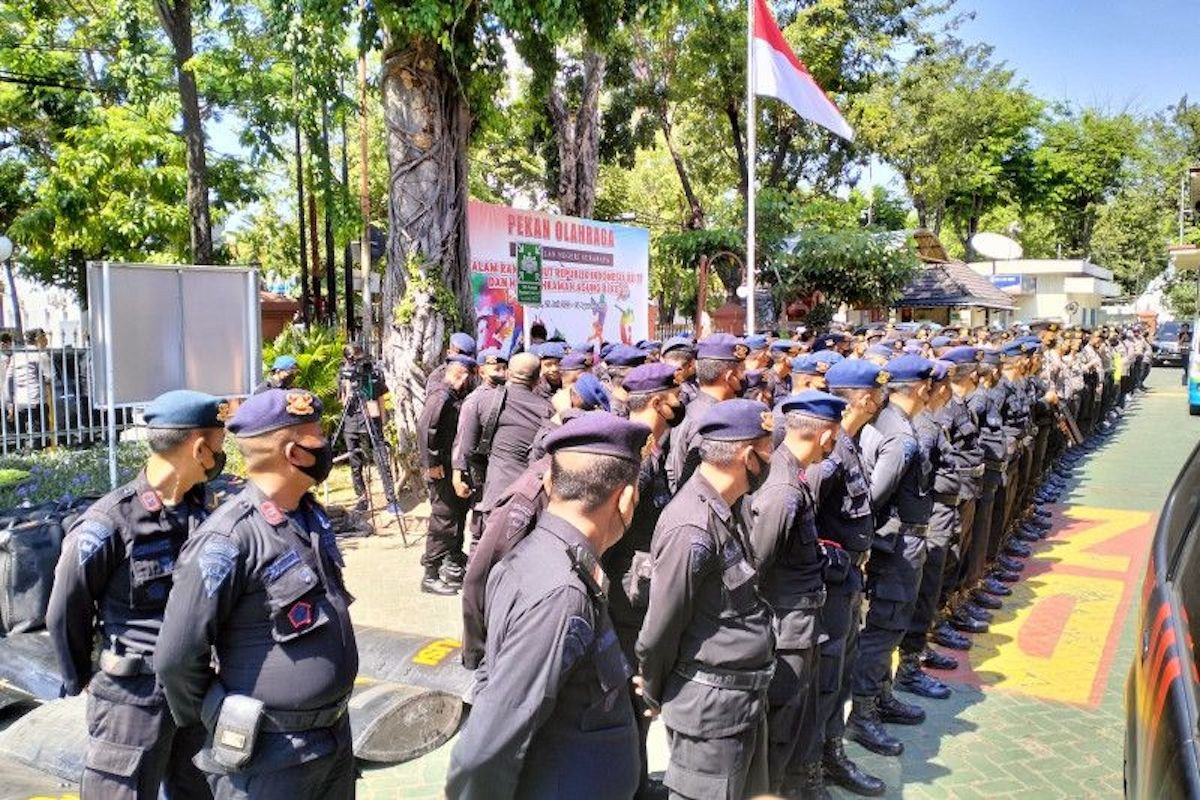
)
(495, 380)
(676, 414)
(757, 479)
(286, 381)
(214, 472)
(320, 470)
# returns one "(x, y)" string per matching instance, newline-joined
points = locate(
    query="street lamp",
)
(6, 251)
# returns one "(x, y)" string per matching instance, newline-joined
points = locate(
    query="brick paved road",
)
(1038, 711)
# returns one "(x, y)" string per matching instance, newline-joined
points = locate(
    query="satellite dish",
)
(996, 246)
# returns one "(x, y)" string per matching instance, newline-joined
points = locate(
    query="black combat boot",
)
(451, 574)
(432, 583)
(995, 586)
(932, 659)
(839, 769)
(960, 620)
(914, 680)
(945, 635)
(897, 711)
(809, 785)
(985, 600)
(865, 727)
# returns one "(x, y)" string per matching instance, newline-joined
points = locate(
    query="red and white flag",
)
(780, 74)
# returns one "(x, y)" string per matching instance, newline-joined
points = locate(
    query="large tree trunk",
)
(578, 134)
(176, 17)
(733, 114)
(695, 209)
(428, 123)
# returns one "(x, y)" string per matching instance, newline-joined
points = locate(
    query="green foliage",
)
(857, 267)
(425, 281)
(318, 350)
(1181, 297)
(61, 474)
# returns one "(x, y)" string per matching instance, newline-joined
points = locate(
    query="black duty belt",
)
(276, 721)
(946, 499)
(125, 666)
(750, 680)
(913, 529)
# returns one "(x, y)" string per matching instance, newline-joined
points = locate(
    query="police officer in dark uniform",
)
(842, 489)
(1012, 401)
(791, 562)
(551, 355)
(469, 460)
(115, 569)
(937, 433)
(653, 400)
(618, 362)
(680, 352)
(706, 648)
(550, 714)
(901, 480)
(779, 376)
(283, 373)
(461, 344)
(361, 387)
(444, 560)
(260, 586)
(720, 373)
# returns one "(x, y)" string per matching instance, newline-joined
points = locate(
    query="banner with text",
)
(594, 276)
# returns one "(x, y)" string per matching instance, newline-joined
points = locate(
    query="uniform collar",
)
(151, 502)
(564, 531)
(275, 516)
(712, 497)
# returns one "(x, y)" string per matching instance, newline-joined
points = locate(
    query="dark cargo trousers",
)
(958, 556)
(134, 745)
(322, 769)
(447, 520)
(841, 621)
(893, 583)
(359, 435)
(943, 528)
(793, 738)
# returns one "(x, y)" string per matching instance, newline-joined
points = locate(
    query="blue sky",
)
(1113, 54)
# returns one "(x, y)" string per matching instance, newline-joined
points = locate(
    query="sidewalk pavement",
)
(1038, 707)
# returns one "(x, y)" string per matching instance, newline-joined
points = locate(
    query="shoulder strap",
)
(489, 425)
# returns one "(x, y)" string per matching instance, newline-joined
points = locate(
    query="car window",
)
(1167, 331)
(1180, 518)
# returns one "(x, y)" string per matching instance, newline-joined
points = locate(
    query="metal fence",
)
(47, 400)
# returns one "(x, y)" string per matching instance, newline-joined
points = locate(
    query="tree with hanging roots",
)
(443, 67)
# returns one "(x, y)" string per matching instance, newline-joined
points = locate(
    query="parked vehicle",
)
(1165, 345)
(1162, 754)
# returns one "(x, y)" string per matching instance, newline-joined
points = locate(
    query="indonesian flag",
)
(779, 74)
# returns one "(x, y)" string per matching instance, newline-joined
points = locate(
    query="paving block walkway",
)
(1038, 707)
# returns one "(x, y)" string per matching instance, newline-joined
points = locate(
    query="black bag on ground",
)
(30, 541)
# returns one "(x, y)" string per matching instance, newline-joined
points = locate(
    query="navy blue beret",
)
(881, 350)
(991, 355)
(813, 403)
(781, 345)
(817, 363)
(756, 342)
(582, 347)
(721, 347)
(555, 350)
(939, 341)
(576, 360)
(600, 433)
(605, 349)
(463, 343)
(625, 356)
(940, 370)
(275, 409)
(736, 421)
(493, 355)
(461, 358)
(591, 392)
(831, 340)
(754, 378)
(183, 409)
(966, 354)
(284, 362)
(908, 369)
(649, 345)
(679, 343)
(855, 373)
(657, 377)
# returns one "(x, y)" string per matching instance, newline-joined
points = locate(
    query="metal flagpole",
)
(751, 153)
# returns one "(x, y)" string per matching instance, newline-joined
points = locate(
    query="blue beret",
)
(625, 356)
(881, 350)
(830, 340)
(605, 349)
(781, 345)
(816, 363)
(908, 369)
(582, 347)
(284, 362)
(754, 378)
(575, 360)
(493, 355)
(591, 392)
(939, 341)
(461, 358)
(813, 403)
(463, 343)
(940, 370)
(555, 350)
(721, 347)
(649, 345)
(183, 409)
(966, 354)
(756, 342)
(679, 343)
(855, 373)
(600, 433)
(657, 377)
(991, 355)
(736, 421)
(275, 409)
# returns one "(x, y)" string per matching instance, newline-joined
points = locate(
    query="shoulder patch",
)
(702, 554)
(91, 535)
(911, 448)
(216, 562)
(828, 469)
(576, 641)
